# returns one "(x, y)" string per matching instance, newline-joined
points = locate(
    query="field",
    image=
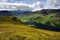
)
(12, 28)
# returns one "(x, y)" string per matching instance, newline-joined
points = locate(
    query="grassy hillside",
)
(9, 19)
(11, 31)
(52, 19)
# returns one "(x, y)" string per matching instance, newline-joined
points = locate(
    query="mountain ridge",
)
(19, 12)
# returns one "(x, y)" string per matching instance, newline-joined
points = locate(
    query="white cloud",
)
(15, 6)
(53, 4)
(50, 4)
(36, 9)
(37, 6)
(4, 5)
(38, 3)
(3, 0)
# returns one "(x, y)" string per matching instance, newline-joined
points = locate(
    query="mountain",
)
(11, 27)
(5, 13)
(10, 31)
(18, 12)
(14, 13)
(48, 11)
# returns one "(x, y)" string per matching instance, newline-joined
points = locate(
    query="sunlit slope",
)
(12, 31)
(50, 19)
(9, 19)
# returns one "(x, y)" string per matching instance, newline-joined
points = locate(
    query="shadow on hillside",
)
(46, 26)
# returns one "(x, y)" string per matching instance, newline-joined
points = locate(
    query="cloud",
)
(49, 4)
(3, 0)
(5, 5)
(38, 3)
(52, 4)
(37, 6)
(15, 6)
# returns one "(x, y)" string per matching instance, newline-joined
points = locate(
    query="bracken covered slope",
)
(18, 31)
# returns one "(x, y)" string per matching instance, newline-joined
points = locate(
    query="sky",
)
(26, 5)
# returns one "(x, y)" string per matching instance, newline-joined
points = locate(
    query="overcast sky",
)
(33, 5)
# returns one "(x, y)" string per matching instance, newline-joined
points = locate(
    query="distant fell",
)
(48, 11)
(5, 13)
